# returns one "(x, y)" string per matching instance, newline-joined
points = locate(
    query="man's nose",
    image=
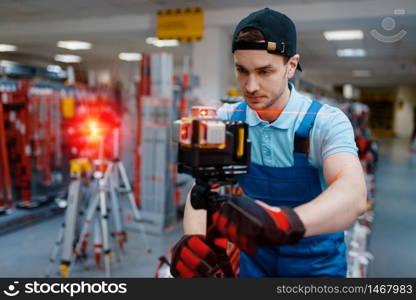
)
(252, 84)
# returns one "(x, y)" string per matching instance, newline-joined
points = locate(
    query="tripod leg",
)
(120, 197)
(115, 208)
(55, 249)
(98, 244)
(136, 212)
(104, 226)
(116, 186)
(89, 218)
(71, 215)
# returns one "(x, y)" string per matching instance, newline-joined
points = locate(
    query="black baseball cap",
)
(278, 30)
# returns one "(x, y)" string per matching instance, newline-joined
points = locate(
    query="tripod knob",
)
(199, 196)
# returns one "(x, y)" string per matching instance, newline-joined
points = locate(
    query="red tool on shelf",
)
(17, 133)
(6, 196)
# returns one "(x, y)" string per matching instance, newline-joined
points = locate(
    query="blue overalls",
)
(317, 256)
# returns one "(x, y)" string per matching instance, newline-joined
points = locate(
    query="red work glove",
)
(250, 224)
(193, 257)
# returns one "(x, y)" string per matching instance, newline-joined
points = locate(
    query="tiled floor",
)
(26, 252)
(393, 238)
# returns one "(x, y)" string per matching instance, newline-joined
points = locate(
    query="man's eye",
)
(264, 72)
(241, 70)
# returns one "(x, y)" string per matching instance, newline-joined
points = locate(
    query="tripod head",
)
(212, 151)
(202, 197)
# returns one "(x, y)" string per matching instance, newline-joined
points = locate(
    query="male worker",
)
(305, 184)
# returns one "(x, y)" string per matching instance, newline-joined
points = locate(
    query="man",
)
(305, 184)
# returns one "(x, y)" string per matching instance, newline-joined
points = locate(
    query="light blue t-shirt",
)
(272, 143)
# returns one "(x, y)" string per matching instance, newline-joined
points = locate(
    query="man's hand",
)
(250, 224)
(193, 257)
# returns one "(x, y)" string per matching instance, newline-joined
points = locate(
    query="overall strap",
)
(239, 113)
(301, 141)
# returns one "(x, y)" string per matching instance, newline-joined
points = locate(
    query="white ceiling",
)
(113, 26)
(34, 10)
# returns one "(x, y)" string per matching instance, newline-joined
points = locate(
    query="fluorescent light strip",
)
(68, 58)
(359, 52)
(74, 45)
(161, 43)
(7, 48)
(130, 56)
(343, 35)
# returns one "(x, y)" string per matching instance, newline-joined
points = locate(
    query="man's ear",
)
(293, 63)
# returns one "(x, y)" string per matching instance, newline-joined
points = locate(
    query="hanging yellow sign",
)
(183, 24)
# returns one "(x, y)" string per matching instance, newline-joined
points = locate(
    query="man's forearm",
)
(336, 208)
(194, 220)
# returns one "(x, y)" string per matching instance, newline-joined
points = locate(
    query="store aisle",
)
(392, 242)
(393, 239)
(26, 252)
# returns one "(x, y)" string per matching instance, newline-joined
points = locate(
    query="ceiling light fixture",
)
(74, 45)
(361, 73)
(68, 58)
(7, 48)
(359, 52)
(162, 43)
(130, 56)
(343, 35)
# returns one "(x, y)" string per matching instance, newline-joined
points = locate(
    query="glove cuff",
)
(297, 229)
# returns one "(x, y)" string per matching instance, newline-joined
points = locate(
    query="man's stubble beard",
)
(271, 102)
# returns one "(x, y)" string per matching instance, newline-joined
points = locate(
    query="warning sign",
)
(183, 24)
